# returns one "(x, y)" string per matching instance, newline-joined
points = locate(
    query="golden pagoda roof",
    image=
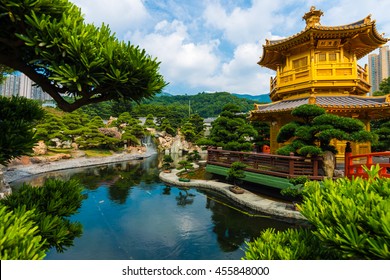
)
(346, 103)
(360, 37)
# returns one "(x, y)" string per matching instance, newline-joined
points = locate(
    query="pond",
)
(129, 213)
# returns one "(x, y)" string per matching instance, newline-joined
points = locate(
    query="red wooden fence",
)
(354, 164)
(263, 163)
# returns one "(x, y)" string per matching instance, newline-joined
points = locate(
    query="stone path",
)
(276, 209)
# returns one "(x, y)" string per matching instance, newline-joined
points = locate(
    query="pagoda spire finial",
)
(312, 17)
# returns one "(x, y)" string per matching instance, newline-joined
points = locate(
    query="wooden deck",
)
(268, 164)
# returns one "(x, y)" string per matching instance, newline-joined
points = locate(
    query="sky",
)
(214, 45)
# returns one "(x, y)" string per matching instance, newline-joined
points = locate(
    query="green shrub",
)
(291, 244)
(236, 172)
(349, 219)
(19, 239)
(52, 203)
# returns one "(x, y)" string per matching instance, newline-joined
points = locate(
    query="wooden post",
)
(347, 154)
(291, 165)
(315, 165)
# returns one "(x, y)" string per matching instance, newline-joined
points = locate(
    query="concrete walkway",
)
(276, 209)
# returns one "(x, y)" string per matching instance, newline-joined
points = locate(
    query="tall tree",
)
(51, 44)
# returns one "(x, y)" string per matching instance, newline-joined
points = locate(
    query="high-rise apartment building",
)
(378, 67)
(18, 84)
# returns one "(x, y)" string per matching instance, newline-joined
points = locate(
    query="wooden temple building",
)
(319, 66)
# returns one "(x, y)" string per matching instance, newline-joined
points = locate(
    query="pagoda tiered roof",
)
(380, 106)
(360, 37)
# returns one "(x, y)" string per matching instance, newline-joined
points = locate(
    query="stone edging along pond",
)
(275, 209)
(279, 210)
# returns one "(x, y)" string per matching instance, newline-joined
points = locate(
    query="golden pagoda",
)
(319, 66)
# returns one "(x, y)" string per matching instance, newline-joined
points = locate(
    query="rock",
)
(38, 159)
(75, 146)
(339, 173)
(78, 154)
(5, 189)
(67, 144)
(329, 164)
(57, 142)
(40, 148)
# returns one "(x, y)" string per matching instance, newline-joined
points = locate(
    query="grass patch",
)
(97, 153)
(59, 151)
(199, 173)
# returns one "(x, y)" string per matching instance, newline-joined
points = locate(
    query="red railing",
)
(354, 164)
(269, 164)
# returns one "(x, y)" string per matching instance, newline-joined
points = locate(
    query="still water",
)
(130, 214)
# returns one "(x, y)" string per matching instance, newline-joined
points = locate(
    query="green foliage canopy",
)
(18, 117)
(231, 130)
(19, 238)
(51, 44)
(315, 126)
(46, 211)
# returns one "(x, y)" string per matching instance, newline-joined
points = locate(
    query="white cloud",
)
(213, 45)
(182, 61)
(121, 15)
(242, 74)
(243, 25)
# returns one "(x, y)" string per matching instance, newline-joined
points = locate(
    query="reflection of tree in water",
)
(184, 198)
(166, 190)
(119, 178)
(233, 228)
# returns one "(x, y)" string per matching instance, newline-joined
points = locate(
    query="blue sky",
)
(214, 45)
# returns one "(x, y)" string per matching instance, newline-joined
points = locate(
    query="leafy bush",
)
(19, 239)
(17, 119)
(296, 190)
(350, 219)
(291, 244)
(52, 203)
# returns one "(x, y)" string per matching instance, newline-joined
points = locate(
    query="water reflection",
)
(130, 214)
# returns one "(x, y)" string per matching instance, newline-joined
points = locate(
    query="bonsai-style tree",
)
(167, 162)
(231, 131)
(312, 133)
(149, 121)
(50, 43)
(166, 126)
(236, 173)
(185, 164)
(194, 156)
(188, 130)
(316, 126)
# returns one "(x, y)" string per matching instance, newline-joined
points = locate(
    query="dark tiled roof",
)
(349, 101)
(325, 101)
(355, 25)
